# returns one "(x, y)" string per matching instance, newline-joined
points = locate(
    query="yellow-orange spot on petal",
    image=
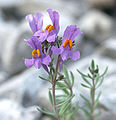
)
(47, 27)
(50, 28)
(65, 43)
(70, 44)
(38, 52)
(34, 52)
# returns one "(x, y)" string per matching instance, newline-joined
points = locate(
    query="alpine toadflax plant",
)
(46, 44)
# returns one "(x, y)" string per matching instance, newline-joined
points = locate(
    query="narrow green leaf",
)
(68, 99)
(59, 96)
(63, 85)
(71, 114)
(90, 76)
(66, 74)
(97, 79)
(82, 73)
(85, 85)
(59, 88)
(100, 82)
(86, 100)
(92, 65)
(46, 112)
(72, 77)
(59, 101)
(50, 97)
(97, 100)
(85, 111)
(104, 72)
(86, 81)
(44, 79)
(91, 93)
(64, 108)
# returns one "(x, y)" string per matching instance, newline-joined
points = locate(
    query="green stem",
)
(93, 100)
(53, 89)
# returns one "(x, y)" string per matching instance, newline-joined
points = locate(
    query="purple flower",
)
(66, 50)
(35, 22)
(38, 57)
(50, 32)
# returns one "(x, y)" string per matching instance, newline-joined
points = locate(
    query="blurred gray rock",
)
(72, 8)
(46, 118)
(6, 29)
(3, 76)
(8, 3)
(102, 3)
(24, 88)
(108, 48)
(96, 25)
(31, 113)
(11, 110)
(15, 50)
(107, 115)
(108, 98)
(44, 98)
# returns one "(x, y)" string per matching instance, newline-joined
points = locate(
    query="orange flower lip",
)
(36, 51)
(49, 27)
(68, 42)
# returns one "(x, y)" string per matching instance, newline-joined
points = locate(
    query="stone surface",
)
(96, 25)
(6, 29)
(102, 3)
(15, 50)
(24, 88)
(11, 110)
(8, 3)
(107, 115)
(46, 118)
(31, 113)
(108, 48)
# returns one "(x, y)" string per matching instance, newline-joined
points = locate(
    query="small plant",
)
(92, 81)
(50, 52)
(45, 44)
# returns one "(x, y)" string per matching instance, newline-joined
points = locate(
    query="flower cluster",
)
(45, 42)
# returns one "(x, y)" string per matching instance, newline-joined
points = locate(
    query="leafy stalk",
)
(93, 80)
(53, 88)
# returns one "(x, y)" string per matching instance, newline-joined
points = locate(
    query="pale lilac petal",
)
(75, 34)
(65, 54)
(32, 22)
(56, 50)
(68, 32)
(38, 33)
(56, 22)
(51, 38)
(37, 64)
(50, 12)
(30, 42)
(39, 21)
(46, 60)
(29, 62)
(55, 19)
(43, 36)
(74, 55)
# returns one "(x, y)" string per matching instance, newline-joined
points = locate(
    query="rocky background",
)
(21, 91)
